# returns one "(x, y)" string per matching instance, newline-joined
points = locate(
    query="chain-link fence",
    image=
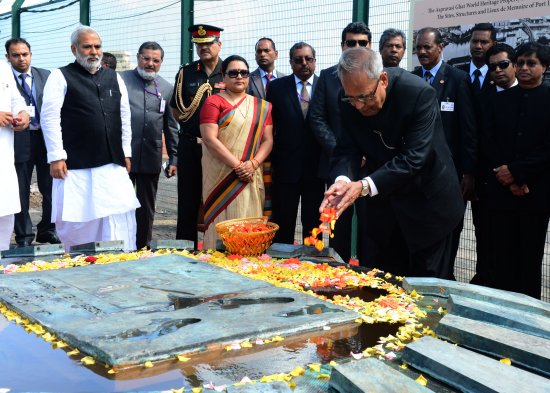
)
(125, 24)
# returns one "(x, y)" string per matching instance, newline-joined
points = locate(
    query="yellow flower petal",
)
(246, 344)
(323, 376)
(297, 371)
(315, 367)
(421, 380)
(88, 360)
(291, 384)
(404, 366)
(111, 371)
(73, 352)
(182, 358)
(277, 338)
(196, 390)
(333, 363)
(178, 390)
(506, 361)
(148, 364)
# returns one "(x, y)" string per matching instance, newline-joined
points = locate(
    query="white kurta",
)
(12, 102)
(88, 195)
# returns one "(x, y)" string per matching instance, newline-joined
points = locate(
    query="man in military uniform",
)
(194, 82)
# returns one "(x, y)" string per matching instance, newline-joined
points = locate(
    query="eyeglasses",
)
(147, 59)
(235, 73)
(503, 64)
(364, 98)
(300, 60)
(352, 43)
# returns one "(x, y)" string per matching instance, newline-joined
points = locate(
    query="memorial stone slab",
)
(528, 351)
(152, 309)
(98, 247)
(172, 244)
(468, 371)
(512, 318)
(444, 288)
(284, 251)
(273, 387)
(372, 376)
(34, 251)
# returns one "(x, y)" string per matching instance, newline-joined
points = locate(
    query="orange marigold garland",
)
(328, 219)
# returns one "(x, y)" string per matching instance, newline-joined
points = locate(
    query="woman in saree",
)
(237, 136)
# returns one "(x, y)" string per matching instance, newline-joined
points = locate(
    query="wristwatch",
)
(365, 187)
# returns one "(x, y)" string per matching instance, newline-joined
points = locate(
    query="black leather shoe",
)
(48, 237)
(24, 243)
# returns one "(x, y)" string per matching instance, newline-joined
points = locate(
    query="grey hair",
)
(359, 59)
(75, 36)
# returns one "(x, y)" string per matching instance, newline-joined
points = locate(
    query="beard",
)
(88, 65)
(146, 75)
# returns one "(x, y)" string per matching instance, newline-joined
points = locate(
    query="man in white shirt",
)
(10, 102)
(86, 126)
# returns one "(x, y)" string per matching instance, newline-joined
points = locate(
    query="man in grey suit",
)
(149, 93)
(29, 147)
(266, 54)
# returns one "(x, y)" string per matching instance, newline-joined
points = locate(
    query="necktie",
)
(476, 85)
(29, 99)
(268, 79)
(428, 77)
(304, 98)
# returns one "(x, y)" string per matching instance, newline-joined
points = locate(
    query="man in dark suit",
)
(326, 125)
(483, 37)
(29, 147)
(457, 111)
(392, 46)
(516, 145)
(392, 118)
(296, 153)
(266, 54)
(149, 93)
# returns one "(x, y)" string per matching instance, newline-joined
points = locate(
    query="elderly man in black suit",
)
(29, 147)
(296, 153)
(392, 118)
(261, 77)
(456, 108)
(516, 145)
(326, 124)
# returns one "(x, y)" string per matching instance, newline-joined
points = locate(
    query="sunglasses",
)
(235, 73)
(501, 64)
(352, 43)
(364, 98)
(300, 60)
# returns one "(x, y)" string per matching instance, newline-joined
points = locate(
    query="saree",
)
(225, 196)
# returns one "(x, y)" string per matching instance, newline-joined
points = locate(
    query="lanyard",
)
(156, 93)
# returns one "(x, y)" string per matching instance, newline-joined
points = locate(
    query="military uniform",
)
(189, 80)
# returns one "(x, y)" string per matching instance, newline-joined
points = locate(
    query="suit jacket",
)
(324, 116)
(466, 68)
(295, 152)
(256, 85)
(149, 123)
(22, 140)
(453, 86)
(516, 132)
(407, 158)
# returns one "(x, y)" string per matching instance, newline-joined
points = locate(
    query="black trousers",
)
(286, 198)
(516, 249)
(38, 158)
(189, 188)
(146, 186)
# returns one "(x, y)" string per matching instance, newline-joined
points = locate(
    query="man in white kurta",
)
(13, 117)
(92, 199)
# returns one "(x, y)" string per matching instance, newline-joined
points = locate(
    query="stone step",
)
(444, 288)
(468, 371)
(373, 376)
(528, 351)
(273, 387)
(511, 318)
(172, 244)
(99, 247)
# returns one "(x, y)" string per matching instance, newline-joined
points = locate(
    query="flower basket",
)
(247, 236)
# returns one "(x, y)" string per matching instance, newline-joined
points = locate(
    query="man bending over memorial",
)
(392, 118)
(86, 126)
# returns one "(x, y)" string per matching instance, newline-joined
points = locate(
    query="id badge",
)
(30, 111)
(447, 106)
(162, 105)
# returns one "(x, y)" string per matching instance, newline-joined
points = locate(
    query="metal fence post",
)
(16, 18)
(187, 7)
(85, 12)
(361, 11)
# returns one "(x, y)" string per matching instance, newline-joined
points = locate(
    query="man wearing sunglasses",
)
(149, 94)
(325, 121)
(295, 155)
(457, 112)
(194, 82)
(413, 200)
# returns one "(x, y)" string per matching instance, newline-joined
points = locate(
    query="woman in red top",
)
(237, 135)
